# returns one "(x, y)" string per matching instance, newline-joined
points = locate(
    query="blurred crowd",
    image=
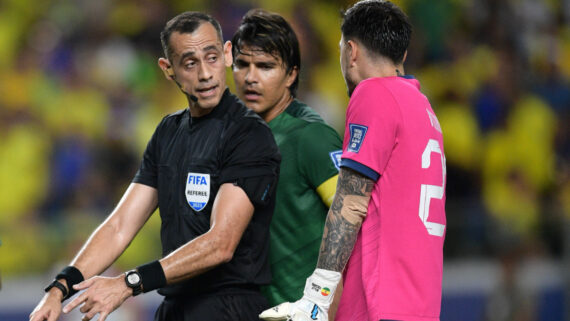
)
(81, 93)
(498, 75)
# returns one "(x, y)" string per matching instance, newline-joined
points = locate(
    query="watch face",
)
(133, 278)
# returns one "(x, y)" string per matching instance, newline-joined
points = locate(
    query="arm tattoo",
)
(339, 234)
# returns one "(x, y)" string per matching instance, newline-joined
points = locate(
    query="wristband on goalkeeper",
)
(320, 287)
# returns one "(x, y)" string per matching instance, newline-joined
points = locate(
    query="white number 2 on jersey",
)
(431, 191)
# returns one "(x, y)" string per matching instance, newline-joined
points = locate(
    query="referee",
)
(211, 169)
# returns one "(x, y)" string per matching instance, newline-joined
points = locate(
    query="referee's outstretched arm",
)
(102, 248)
(231, 213)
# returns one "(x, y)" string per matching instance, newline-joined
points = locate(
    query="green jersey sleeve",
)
(319, 153)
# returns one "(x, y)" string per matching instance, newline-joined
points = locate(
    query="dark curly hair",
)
(381, 26)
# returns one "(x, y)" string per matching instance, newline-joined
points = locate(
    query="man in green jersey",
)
(266, 68)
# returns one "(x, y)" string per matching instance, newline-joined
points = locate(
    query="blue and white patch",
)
(357, 134)
(335, 156)
(197, 190)
(315, 312)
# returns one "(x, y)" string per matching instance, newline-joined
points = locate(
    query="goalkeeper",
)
(387, 219)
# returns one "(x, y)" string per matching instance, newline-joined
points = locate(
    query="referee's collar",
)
(218, 110)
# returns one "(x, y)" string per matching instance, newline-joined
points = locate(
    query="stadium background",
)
(80, 95)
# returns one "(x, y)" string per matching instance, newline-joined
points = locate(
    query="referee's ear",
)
(228, 57)
(166, 68)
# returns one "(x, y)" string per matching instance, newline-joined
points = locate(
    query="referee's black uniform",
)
(187, 160)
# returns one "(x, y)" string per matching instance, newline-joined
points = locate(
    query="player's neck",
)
(379, 66)
(383, 70)
(281, 105)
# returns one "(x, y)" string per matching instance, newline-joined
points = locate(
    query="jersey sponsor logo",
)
(357, 134)
(335, 156)
(197, 190)
(315, 287)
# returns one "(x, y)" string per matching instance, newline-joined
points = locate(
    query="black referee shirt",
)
(187, 160)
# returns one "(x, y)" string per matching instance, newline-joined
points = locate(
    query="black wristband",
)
(60, 286)
(72, 276)
(152, 276)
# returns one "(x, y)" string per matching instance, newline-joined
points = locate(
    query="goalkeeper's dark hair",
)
(271, 33)
(186, 22)
(381, 26)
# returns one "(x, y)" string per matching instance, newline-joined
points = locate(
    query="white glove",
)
(315, 303)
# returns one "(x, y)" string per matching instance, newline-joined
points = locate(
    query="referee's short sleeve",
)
(148, 170)
(251, 160)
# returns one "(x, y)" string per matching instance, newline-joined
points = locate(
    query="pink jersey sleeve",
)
(368, 141)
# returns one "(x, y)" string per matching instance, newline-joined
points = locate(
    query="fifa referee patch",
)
(197, 190)
(357, 134)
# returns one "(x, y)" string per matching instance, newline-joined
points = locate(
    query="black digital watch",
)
(134, 281)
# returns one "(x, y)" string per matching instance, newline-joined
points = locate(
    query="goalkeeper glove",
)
(315, 303)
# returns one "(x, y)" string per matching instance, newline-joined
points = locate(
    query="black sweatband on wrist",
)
(152, 276)
(72, 276)
(60, 286)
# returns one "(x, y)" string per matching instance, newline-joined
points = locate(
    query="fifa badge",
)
(197, 190)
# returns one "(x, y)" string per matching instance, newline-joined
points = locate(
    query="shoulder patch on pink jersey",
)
(357, 134)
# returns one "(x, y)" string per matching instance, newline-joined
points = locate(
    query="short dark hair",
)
(381, 26)
(272, 34)
(186, 22)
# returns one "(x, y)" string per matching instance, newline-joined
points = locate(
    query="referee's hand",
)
(101, 295)
(49, 307)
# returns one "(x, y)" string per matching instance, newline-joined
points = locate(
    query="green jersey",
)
(310, 152)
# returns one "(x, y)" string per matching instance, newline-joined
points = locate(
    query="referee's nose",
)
(204, 72)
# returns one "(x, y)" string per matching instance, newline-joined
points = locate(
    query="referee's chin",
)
(211, 101)
(203, 106)
(208, 103)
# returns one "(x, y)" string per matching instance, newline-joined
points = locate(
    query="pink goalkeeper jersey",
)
(395, 270)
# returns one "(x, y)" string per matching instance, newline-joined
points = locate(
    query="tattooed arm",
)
(344, 219)
(343, 222)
